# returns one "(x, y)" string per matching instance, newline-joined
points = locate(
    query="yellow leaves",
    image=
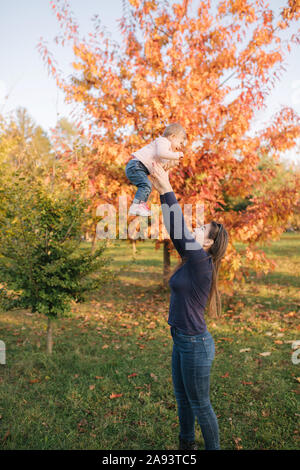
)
(135, 3)
(290, 314)
(236, 263)
(77, 65)
(157, 105)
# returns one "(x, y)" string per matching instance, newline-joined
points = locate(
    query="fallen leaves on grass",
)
(237, 441)
(245, 350)
(225, 375)
(6, 436)
(290, 314)
(115, 395)
(267, 353)
(225, 339)
(81, 426)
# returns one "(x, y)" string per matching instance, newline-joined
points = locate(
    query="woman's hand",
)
(160, 178)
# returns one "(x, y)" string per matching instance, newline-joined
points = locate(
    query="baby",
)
(165, 150)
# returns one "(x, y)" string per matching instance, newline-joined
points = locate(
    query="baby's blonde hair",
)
(175, 129)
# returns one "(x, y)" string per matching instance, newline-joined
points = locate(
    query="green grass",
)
(63, 401)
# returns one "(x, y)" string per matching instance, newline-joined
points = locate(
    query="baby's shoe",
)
(139, 209)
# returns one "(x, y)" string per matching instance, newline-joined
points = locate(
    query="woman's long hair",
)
(219, 235)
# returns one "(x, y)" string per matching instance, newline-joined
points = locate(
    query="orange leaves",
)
(225, 376)
(293, 12)
(237, 441)
(172, 97)
(149, 5)
(115, 395)
(157, 105)
(141, 90)
(179, 9)
(242, 9)
(135, 3)
(33, 381)
(290, 314)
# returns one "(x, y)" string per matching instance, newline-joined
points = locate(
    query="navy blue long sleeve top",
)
(190, 284)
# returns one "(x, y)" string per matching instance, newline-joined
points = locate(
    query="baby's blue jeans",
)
(137, 173)
(192, 358)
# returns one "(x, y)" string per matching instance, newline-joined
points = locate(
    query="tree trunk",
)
(49, 337)
(167, 263)
(94, 242)
(134, 248)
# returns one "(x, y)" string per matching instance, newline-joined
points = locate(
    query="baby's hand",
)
(171, 164)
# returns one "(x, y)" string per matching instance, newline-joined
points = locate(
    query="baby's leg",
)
(137, 174)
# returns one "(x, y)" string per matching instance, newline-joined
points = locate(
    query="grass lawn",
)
(108, 382)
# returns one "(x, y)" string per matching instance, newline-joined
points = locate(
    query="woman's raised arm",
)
(184, 242)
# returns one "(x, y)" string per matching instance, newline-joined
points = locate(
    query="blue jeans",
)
(137, 173)
(192, 358)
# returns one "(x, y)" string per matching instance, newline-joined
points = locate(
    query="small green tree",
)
(41, 267)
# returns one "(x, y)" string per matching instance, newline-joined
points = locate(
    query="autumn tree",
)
(210, 71)
(72, 157)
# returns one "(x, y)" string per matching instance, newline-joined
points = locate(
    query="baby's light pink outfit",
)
(158, 150)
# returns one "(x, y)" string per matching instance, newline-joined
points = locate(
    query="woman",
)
(193, 284)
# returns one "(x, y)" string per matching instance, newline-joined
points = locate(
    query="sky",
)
(24, 79)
